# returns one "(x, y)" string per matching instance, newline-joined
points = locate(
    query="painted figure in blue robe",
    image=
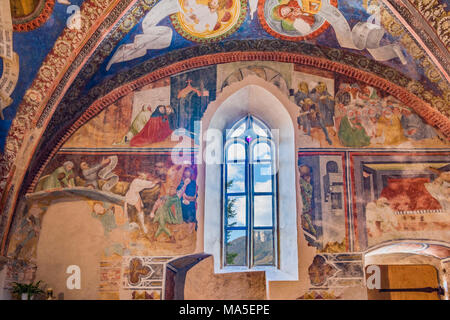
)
(187, 192)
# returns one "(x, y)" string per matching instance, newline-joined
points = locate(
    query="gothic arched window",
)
(250, 195)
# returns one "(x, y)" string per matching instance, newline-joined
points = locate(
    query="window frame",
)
(249, 193)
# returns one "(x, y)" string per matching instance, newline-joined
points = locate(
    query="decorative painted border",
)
(34, 20)
(87, 69)
(436, 13)
(275, 34)
(179, 28)
(418, 26)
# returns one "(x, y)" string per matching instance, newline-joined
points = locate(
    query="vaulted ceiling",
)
(76, 56)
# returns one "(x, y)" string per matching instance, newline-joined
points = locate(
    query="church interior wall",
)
(369, 172)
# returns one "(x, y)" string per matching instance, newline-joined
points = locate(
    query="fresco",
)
(294, 20)
(278, 74)
(336, 112)
(22, 8)
(160, 115)
(145, 204)
(190, 94)
(143, 278)
(10, 60)
(24, 242)
(316, 106)
(103, 156)
(291, 20)
(156, 29)
(323, 193)
(200, 20)
(146, 201)
(34, 25)
(340, 270)
(196, 20)
(353, 115)
(402, 200)
(394, 196)
(369, 170)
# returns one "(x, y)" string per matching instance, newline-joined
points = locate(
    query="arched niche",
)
(256, 97)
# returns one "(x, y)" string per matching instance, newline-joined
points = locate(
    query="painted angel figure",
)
(292, 16)
(206, 17)
(153, 36)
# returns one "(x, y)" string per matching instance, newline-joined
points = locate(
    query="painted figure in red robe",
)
(157, 128)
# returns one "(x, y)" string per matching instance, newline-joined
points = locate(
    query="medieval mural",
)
(370, 170)
(120, 164)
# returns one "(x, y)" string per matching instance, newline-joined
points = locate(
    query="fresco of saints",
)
(138, 123)
(301, 95)
(306, 190)
(390, 127)
(90, 173)
(325, 101)
(29, 230)
(351, 131)
(302, 92)
(156, 129)
(187, 192)
(167, 209)
(414, 127)
(315, 118)
(133, 197)
(369, 122)
(292, 17)
(343, 100)
(62, 177)
(205, 18)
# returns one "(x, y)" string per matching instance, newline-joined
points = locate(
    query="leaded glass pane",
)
(235, 177)
(236, 151)
(262, 175)
(263, 211)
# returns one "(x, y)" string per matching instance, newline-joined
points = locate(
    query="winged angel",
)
(204, 18)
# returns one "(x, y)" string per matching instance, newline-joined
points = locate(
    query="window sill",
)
(272, 273)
